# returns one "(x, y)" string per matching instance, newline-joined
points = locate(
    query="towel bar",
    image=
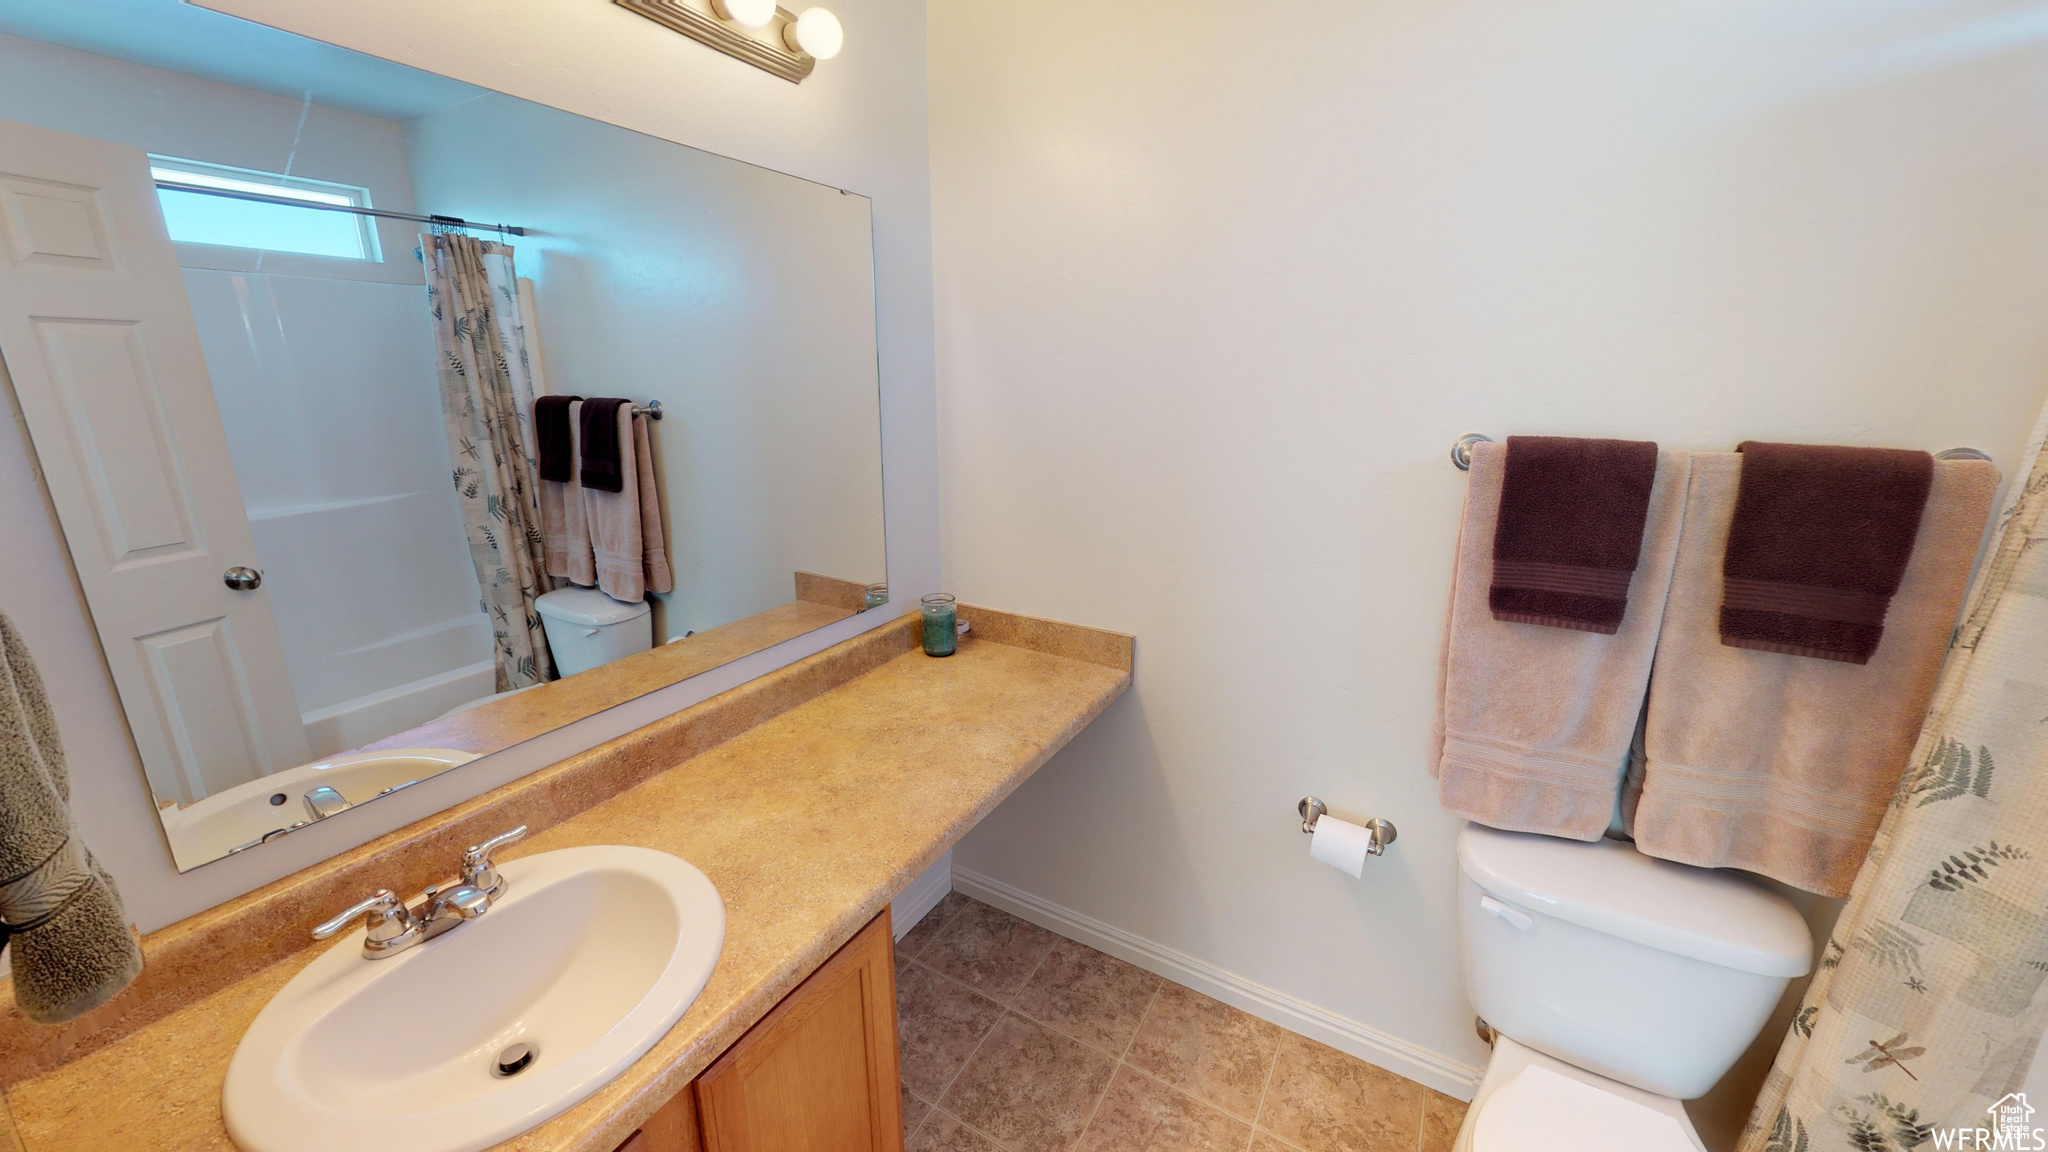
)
(651, 409)
(1461, 452)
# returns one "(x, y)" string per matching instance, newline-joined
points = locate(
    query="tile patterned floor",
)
(1018, 1040)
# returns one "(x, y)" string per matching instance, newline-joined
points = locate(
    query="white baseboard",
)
(1438, 1071)
(922, 896)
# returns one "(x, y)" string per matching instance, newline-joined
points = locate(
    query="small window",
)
(304, 222)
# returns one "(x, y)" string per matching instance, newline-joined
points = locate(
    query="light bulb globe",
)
(751, 13)
(816, 32)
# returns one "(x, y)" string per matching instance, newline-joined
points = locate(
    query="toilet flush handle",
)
(591, 632)
(1521, 920)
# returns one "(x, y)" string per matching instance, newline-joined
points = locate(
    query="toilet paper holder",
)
(1383, 831)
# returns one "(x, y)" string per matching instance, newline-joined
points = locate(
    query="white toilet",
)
(587, 628)
(1616, 986)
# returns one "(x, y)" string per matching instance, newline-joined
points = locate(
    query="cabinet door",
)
(673, 1129)
(819, 1073)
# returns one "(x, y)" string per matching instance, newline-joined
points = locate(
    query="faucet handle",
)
(384, 917)
(477, 870)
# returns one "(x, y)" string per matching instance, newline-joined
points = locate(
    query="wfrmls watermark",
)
(2012, 1127)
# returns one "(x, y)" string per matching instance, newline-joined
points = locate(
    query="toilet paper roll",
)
(1339, 844)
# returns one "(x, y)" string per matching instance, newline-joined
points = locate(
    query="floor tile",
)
(1441, 1116)
(1140, 1114)
(920, 937)
(1263, 1141)
(942, 1133)
(913, 1112)
(987, 949)
(1094, 998)
(1325, 1101)
(1207, 1049)
(938, 1023)
(1029, 1087)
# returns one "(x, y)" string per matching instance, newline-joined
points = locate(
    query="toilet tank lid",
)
(1608, 886)
(588, 606)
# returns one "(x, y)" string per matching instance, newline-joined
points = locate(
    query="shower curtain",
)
(1927, 1006)
(487, 406)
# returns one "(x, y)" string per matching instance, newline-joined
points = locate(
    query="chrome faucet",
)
(324, 801)
(390, 927)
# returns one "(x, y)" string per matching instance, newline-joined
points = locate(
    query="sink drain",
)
(512, 1061)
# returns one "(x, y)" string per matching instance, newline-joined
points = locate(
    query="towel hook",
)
(1461, 452)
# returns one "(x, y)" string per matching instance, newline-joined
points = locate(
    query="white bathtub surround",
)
(326, 391)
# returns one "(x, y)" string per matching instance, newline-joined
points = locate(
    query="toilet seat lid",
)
(1541, 1111)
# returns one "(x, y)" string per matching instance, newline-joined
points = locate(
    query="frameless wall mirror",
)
(391, 421)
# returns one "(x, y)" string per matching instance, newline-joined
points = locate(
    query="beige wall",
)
(1217, 292)
(859, 124)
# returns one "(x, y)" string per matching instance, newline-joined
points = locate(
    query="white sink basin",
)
(590, 955)
(240, 817)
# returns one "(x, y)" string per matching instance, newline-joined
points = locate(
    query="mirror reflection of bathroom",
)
(495, 409)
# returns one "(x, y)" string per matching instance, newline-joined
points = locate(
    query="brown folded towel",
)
(553, 437)
(564, 517)
(1533, 724)
(1569, 531)
(1818, 545)
(1776, 763)
(601, 447)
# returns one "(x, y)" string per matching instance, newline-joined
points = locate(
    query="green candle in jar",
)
(941, 635)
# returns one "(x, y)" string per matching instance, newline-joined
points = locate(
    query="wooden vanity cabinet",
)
(819, 1073)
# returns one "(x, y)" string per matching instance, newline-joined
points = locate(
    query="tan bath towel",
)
(628, 551)
(1783, 764)
(565, 532)
(653, 541)
(1534, 723)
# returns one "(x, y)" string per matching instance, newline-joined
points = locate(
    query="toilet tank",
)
(1651, 973)
(587, 628)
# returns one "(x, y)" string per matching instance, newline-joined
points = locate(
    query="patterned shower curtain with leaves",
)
(1928, 1004)
(487, 405)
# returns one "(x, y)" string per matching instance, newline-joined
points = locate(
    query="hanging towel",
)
(1780, 763)
(606, 444)
(1533, 723)
(1570, 530)
(1819, 542)
(60, 915)
(627, 568)
(565, 528)
(555, 437)
(653, 541)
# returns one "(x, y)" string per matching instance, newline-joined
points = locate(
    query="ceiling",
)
(177, 37)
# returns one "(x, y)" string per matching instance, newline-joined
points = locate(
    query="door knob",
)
(242, 579)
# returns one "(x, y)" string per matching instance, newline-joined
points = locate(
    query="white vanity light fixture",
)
(748, 13)
(770, 38)
(816, 32)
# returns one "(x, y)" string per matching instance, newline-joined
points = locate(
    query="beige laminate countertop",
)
(809, 823)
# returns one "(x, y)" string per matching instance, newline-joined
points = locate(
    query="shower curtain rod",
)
(261, 198)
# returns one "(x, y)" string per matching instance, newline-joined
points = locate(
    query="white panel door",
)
(100, 345)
